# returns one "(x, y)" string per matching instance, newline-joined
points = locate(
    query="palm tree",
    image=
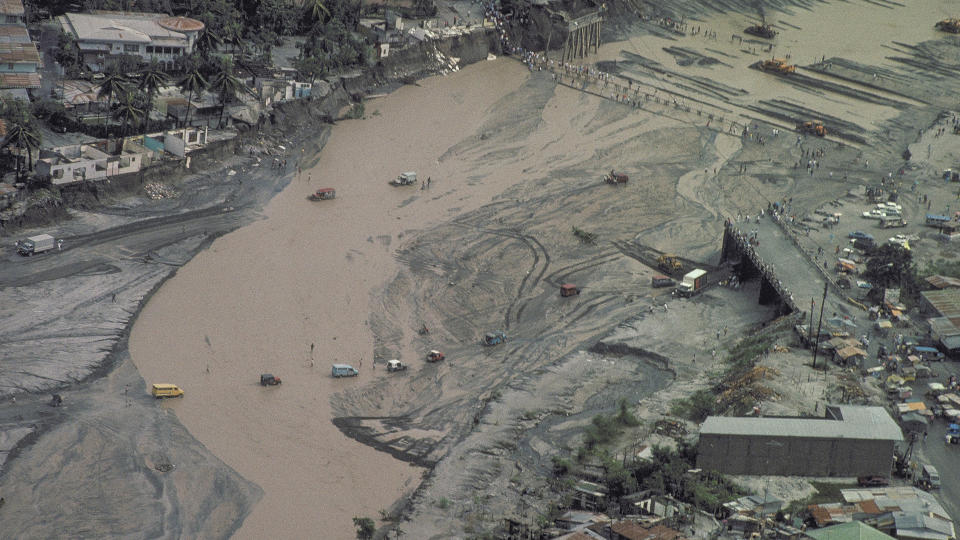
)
(316, 9)
(113, 84)
(21, 134)
(151, 79)
(128, 110)
(208, 42)
(226, 85)
(192, 83)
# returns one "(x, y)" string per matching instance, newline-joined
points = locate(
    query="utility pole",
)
(810, 327)
(816, 345)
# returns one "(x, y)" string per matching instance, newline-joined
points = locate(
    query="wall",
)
(794, 456)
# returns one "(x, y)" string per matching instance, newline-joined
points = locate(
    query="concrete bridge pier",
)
(747, 265)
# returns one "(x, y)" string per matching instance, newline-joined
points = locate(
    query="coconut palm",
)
(316, 9)
(20, 135)
(151, 79)
(208, 42)
(192, 83)
(226, 85)
(128, 110)
(113, 84)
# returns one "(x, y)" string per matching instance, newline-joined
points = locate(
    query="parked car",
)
(873, 481)
(860, 235)
(396, 365)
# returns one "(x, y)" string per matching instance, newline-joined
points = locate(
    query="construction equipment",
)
(901, 460)
(669, 262)
(777, 65)
(761, 30)
(813, 128)
(405, 179)
(323, 194)
(268, 379)
(615, 178)
(569, 289)
(396, 365)
(435, 356)
(951, 25)
(494, 338)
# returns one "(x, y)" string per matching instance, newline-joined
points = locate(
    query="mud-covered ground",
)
(497, 240)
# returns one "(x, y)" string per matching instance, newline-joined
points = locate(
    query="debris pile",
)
(157, 191)
(743, 390)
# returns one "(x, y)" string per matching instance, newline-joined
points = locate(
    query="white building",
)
(104, 34)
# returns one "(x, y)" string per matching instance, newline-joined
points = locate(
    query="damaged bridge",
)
(789, 278)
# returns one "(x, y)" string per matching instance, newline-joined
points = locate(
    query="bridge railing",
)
(744, 247)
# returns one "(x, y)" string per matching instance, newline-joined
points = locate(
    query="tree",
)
(226, 85)
(128, 110)
(316, 10)
(891, 266)
(113, 84)
(21, 134)
(192, 83)
(365, 527)
(151, 79)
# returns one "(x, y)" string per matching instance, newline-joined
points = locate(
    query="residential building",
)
(12, 12)
(19, 59)
(103, 35)
(19, 65)
(848, 441)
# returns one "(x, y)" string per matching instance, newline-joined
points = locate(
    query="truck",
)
(892, 222)
(953, 434)
(692, 283)
(929, 478)
(35, 244)
(405, 179)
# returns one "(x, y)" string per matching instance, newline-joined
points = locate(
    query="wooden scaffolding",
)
(583, 34)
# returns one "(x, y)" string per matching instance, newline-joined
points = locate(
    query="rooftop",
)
(11, 7)
(888, 499)
(127, 26)
(19, 53)
(853, 530)
(946, 302)
(19, 80)
(14, 33)
(843, 422)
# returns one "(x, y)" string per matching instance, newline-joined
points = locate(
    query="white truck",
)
(35, 244)
(692, 283)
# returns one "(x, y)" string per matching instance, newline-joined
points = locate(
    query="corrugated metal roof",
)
(945, 301)
(19, 53)
(854, 530)
(19, 80)
(11, 7)
(14, 33)
(868, 423)
(943, 282)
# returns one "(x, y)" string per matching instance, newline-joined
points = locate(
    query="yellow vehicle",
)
(815, 128)
(777, 65)
(165, 390)
(669, 263)
(951, 25)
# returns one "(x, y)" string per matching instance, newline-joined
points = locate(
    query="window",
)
(149, 49)
(10, 66)
(168, 50)
(131, 48)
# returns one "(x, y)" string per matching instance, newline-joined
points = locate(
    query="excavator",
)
(777, 65)
(669, 262)
(814, 128)
(949, 25)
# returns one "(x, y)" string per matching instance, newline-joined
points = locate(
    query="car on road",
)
(860, 235)
(873, 481)
(876, 213)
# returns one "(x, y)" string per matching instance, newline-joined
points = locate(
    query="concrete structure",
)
(943, 306)
(849, 441)
(80, 162)
(103, 35)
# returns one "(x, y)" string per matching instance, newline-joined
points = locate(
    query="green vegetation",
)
(584, 236)
(365, 527)
(442, 503)
(605, 429)
(697, 407)
(892, 266)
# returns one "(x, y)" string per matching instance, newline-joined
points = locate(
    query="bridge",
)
(790, 278)
(583, 34)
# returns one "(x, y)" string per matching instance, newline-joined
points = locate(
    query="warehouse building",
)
(848, 441)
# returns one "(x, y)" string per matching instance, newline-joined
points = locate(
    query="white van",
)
(344, 370)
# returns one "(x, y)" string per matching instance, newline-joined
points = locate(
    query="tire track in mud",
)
(538, 251)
